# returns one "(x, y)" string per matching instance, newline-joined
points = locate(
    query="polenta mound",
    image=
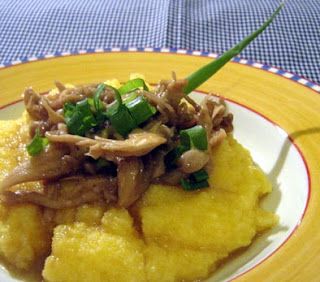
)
(181, 235)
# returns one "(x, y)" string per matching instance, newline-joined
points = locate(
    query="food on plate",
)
(164, 200)
(95, 142)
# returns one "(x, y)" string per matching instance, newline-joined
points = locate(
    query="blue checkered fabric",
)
(36, 27)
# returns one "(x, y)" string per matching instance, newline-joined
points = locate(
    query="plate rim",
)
(301, 80)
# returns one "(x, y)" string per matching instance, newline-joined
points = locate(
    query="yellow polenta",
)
(176, 235)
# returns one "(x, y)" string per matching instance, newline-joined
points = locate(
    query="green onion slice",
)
(199, 175)
(130, 98)
(196, 180)
(121, 120)
(194, 137)
(37, 144)
(97, 105)
(68, 110)
(116, 93)
(189, 185)
(79, 118)
(204, 73)
(119, 116)
(132, 85)
(140, 109)
(171, 158)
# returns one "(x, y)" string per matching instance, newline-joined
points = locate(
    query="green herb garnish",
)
(189, 185)
(98, 107)
(204, 73)
(199, 176)
(171, 158)
(140, 109)
(37, 144)
(196, 180)
(132, 85)
(130, 98)
(195, 137)
(79, 118)
(68, 110)
(119, 116)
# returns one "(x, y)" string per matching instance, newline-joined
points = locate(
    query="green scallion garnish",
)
(132, 85)
(194, 137)
(204, 73)
(171, 158)
(196, 180)
(116, 93)
(189, 185)
(68, 110)
(37, 144)
(79, 118)
(98, 105)
(199, 176)
(120, 117)
(130, 98)
(140, 109)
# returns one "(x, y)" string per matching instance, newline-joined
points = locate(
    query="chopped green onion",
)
(199, 175)
(97, 105)
(130, 98)
(120, 117)
(79, 118)
(194, 137)
(196, 180)
(37, 144)
(171, 158)
(68, 110)
(121, 120)
(140, 109)
(116, 93)
(132, 85)
(189, 185)
(96, 98)
(204, 73)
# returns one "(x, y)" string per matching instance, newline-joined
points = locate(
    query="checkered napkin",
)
(36, 27)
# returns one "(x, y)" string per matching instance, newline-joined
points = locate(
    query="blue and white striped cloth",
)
(35, 27)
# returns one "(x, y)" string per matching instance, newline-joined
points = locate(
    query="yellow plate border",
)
(300, 253)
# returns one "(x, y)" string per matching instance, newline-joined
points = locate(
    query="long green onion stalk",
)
(204, 73)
